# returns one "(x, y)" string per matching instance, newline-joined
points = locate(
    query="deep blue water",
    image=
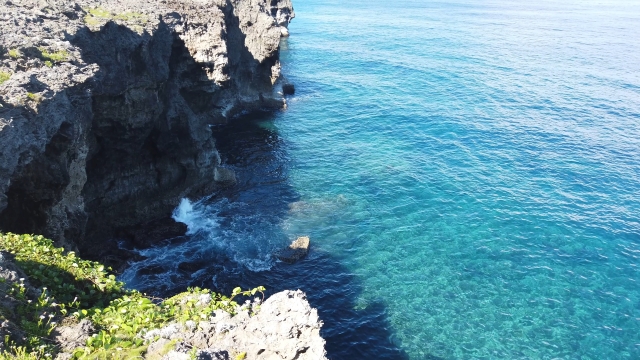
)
(468, 172)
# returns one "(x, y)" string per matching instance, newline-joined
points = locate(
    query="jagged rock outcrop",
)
(105, 117)
(284, 327)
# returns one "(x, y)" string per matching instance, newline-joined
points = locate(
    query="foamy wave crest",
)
(196, 216)
(239, 238)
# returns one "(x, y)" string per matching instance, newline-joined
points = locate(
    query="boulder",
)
(224, 175)
(288, 89)
(71, 337)
(296, 251)
(284, 327)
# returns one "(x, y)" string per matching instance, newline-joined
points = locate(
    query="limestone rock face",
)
(285, 327)
(105, 118)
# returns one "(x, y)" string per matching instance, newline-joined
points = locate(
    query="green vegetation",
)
(4, 76)
(14, 53)
(51, 58)
(70, 289)
(100, 12)
(98, 15)
(131, 16)
(34, 97)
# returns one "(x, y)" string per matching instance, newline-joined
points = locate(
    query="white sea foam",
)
(197, 217)
(245, 240)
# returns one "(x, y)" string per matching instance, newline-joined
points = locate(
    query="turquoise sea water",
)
(468, 172)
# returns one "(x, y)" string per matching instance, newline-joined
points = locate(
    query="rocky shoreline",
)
(106, 109)
(89, 315)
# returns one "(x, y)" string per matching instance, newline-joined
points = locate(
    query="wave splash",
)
(197, 218)
(222, 236)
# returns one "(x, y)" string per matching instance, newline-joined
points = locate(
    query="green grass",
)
(98, 15)
(4, 76)
(131, 16)
(101, 13)
(36, 98)
(53, 57)
(69, 287)
(14, 53)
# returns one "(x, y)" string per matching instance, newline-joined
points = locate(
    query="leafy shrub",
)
(71, 287)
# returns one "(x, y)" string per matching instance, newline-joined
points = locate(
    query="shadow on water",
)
(352, 331)
(253, 149)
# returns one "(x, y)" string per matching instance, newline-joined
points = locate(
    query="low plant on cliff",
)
(4, 76)
(99, 15)
(35, 98)
(14, 53)
(51, 58)
(69, 289)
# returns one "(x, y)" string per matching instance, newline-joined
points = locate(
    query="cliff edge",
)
(106, 107)
(57, 305)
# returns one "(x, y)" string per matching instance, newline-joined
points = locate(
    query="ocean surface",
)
(468, 173)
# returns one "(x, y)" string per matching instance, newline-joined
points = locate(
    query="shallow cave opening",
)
(38, 187)
(23, 214)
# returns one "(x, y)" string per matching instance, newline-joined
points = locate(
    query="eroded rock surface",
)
(105, 117)
(70, 337)
(284, 327)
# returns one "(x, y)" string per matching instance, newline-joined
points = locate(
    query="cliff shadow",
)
(252, 147)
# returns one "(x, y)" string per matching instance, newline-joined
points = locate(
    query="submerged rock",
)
(224, 175)
(296, 251)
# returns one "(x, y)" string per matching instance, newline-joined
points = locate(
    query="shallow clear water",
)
(468, 172)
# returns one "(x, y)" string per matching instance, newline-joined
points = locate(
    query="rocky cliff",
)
(106, 107)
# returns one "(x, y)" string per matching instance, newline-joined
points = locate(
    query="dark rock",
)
(224, 175)
(296, 251)
(144, 235)
(193, 266)
(288, 89)
(151, 270)
(10, 275)
(212, 354)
